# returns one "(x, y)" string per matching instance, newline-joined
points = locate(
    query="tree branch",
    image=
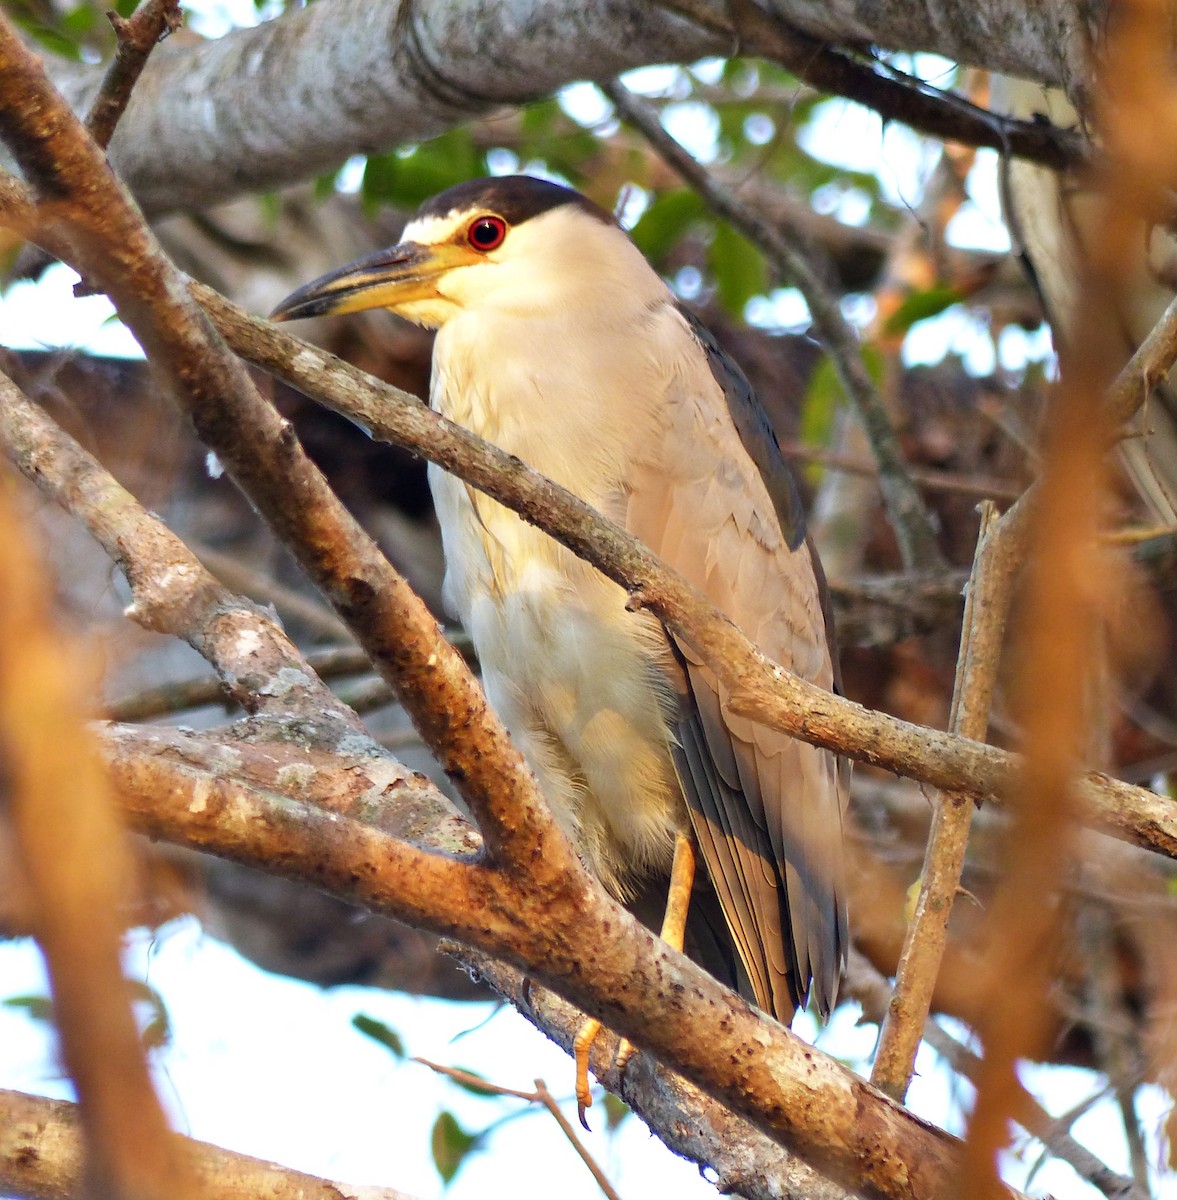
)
(135, 40)
(894, 95)
(982, 637)
(803, 267)
(74, 862)
(374, 76)
(595, 953)
(41, 1158)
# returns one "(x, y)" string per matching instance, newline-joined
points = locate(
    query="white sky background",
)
(272, 1067)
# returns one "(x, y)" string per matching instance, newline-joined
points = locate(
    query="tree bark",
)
(261, 108)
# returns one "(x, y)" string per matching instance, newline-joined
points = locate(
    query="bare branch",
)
(542, 1096)
(982, 636)
(136, 38)
(894, 95)
(75, 863)
(802, 266)
(172, 593)
(589, 947)
(41, 1158)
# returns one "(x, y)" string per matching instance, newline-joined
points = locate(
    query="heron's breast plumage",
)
(582, 683)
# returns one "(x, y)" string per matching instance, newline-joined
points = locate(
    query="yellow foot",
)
(586, 1035)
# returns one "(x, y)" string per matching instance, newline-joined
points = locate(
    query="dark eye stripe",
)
(487, 233)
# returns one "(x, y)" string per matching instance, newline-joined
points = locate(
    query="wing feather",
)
(715, 500)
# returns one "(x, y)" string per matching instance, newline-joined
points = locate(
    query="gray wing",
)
(718, 504)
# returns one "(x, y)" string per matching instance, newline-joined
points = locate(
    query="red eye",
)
(487, 233)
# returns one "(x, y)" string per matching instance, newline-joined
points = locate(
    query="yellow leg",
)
(678, 899)
(585, 1036)
(674, 928)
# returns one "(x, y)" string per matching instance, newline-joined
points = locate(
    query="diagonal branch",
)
(982, 637)
(93, 223)
(892, 94)
(802, 266)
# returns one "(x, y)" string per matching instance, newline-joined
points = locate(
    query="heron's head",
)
(510, 244)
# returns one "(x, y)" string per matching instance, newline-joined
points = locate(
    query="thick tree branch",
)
(594, 953)
(292, 98)
(41, 1158)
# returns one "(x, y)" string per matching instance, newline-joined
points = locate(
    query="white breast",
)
(578, 680)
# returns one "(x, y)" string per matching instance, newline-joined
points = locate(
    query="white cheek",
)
(432, 312)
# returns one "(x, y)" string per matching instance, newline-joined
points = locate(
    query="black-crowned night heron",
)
(558, 342)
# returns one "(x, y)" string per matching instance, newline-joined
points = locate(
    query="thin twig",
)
(894, 96)
(981, 486)
(803, 267)
(549, 1102)
(1111, 1027)
(135, 38)
(469, 1080)
(541, 1095)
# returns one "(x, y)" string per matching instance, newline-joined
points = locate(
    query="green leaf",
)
(665, 222)
(616, 1110)
(324, 185)
(450, 1144)
(379, 1032)
(40, 1008)
(408, 179)
(468, 1085)
(823, 396)
(78, 23)
(739, 269)
(919, 306)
